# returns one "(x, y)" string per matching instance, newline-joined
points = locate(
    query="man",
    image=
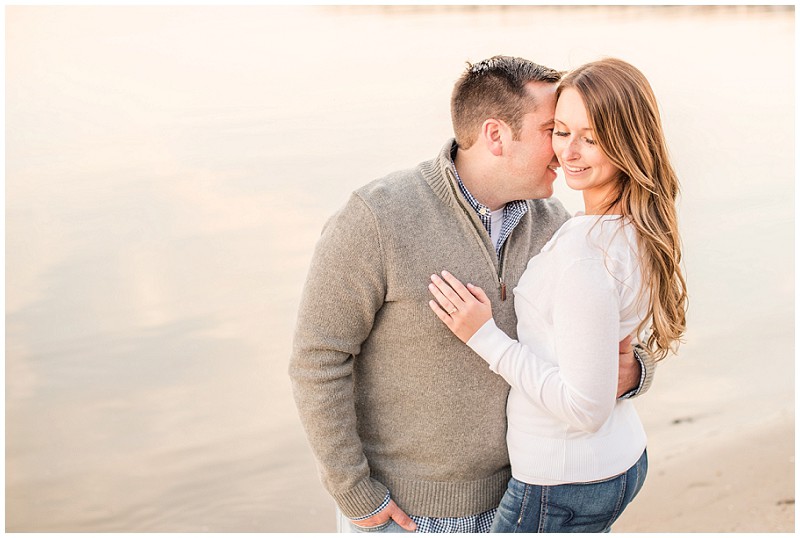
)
(407, 423)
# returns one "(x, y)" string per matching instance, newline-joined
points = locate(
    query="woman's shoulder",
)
(589, 232)
(610, 238)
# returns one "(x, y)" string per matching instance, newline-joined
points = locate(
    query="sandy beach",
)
(741, 481)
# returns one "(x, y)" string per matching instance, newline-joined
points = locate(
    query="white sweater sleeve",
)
(581, 388)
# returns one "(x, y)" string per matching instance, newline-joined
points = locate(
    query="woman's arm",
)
(581, 388)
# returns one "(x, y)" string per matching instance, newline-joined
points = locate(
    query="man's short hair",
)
(495, 88)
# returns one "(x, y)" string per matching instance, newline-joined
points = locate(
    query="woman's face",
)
(586, 168)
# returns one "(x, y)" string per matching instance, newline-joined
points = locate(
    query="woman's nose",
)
(570, 150)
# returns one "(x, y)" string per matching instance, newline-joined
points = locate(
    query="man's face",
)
(530, 162)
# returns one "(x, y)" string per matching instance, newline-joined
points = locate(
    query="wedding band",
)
(450, 312)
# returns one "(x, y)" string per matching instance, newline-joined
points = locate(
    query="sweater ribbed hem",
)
(362, 500)
(448, 499)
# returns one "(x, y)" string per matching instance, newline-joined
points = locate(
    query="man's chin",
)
(545, 187)
(544, 191)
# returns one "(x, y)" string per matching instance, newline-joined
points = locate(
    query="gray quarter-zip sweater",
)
(388, 396)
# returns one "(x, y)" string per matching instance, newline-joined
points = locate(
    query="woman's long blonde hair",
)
(624, 115)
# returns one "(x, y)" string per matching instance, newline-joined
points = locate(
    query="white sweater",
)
(575, 301)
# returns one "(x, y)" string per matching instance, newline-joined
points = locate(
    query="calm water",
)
(168, 170)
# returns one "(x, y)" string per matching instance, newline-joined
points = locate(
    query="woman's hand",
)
(464, 309)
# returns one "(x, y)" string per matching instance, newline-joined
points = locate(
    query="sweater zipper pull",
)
(502, 289)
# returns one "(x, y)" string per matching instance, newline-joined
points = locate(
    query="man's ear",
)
(492, 135)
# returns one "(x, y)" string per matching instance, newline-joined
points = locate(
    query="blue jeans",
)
(584, 507)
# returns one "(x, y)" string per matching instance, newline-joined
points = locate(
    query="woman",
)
(577, 454)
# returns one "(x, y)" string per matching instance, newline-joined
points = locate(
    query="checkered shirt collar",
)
(512, 213)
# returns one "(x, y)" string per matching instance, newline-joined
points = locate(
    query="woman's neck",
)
(601, 203)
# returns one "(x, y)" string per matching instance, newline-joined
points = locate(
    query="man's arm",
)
(636, 369)
(344, 289)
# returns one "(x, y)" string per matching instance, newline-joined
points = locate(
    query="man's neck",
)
(477, 179)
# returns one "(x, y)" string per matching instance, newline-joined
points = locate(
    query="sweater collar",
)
(441, 175)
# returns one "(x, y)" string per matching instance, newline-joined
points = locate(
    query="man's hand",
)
(392, 511)
(630, 371)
